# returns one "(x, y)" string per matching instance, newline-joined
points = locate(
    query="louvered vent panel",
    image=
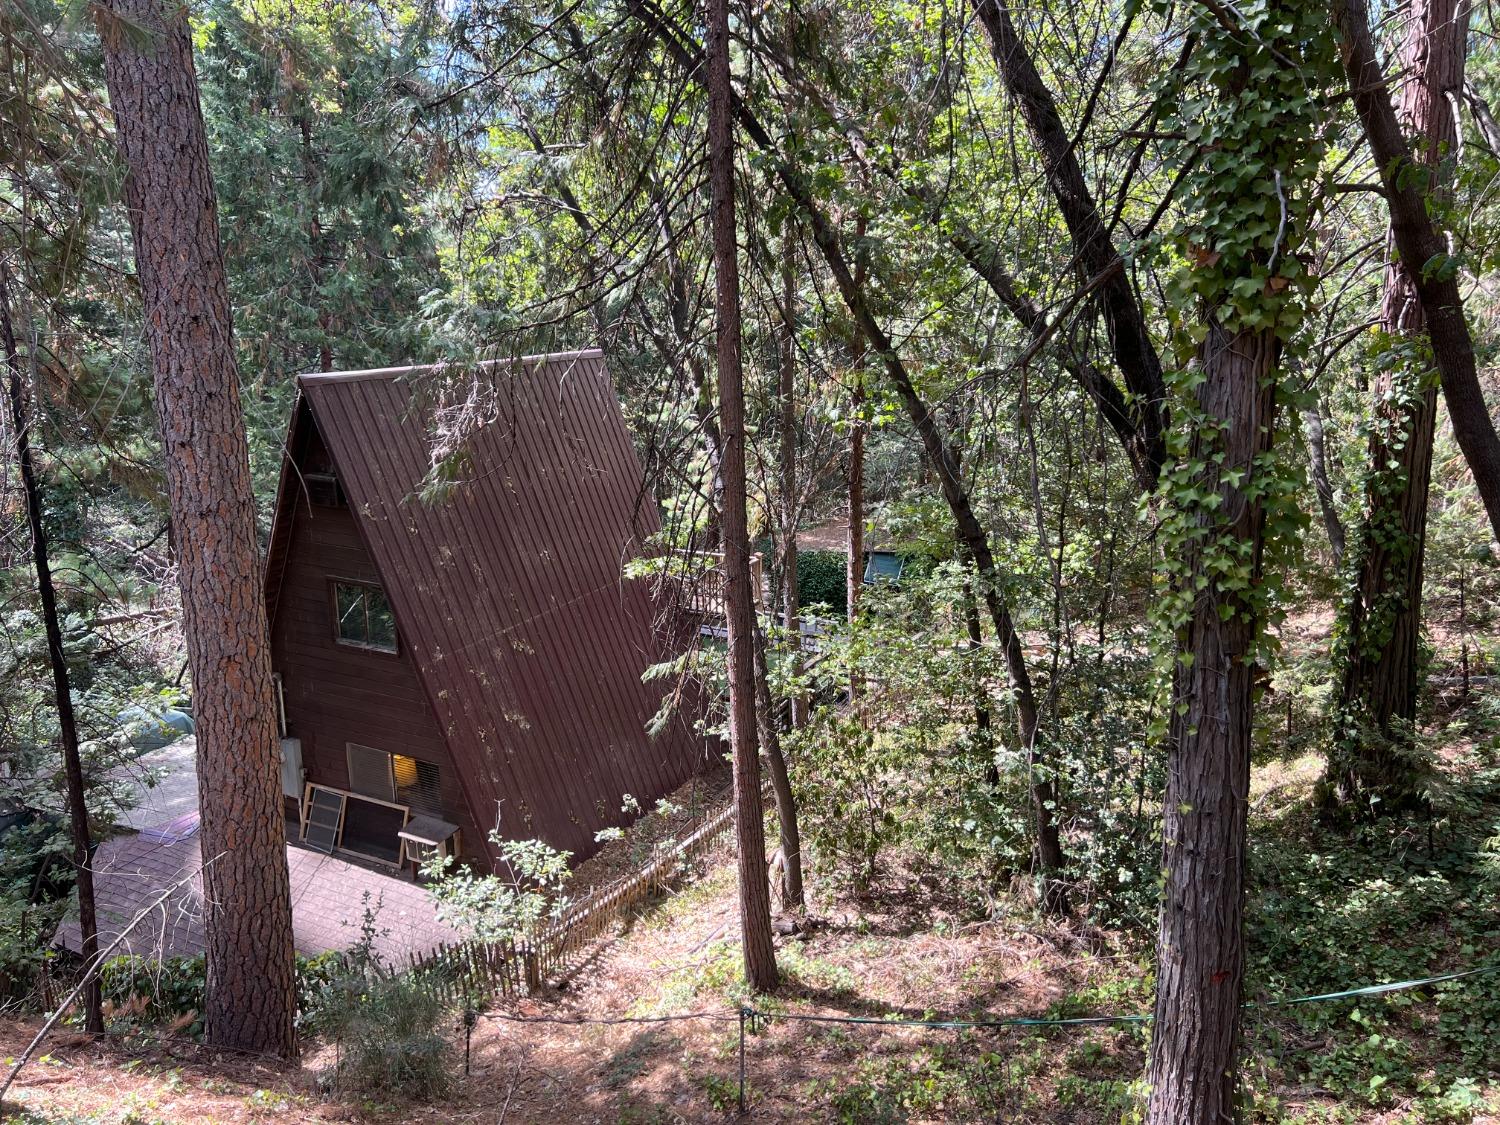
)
(370, 772)
(418, 784)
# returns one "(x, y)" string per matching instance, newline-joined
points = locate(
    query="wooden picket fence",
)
(468, 971)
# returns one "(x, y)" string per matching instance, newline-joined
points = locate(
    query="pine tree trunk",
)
(739, 602)
(251, 998)
(972, 538)
(1200, 946)
(791, 619)
(1379, 679)
(62, 688)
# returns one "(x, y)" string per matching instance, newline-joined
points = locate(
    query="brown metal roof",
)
(509, 592)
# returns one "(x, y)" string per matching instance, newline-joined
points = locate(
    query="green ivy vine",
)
(1252, 108)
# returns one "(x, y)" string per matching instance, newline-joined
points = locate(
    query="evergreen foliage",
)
(402, 182)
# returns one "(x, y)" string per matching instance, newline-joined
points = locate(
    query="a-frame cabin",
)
(449, 666)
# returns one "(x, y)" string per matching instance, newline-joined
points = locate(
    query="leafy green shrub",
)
(146, 990)
(1388, 903)
(318, 980)
(1369, 1063)
(846, 797)
(387, 1025)
(505, 906)
(35, 875)
(930, 1082)
(822, 579)
(916, 774)
(388, 1028)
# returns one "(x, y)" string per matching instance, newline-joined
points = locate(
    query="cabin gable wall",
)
(334, 693)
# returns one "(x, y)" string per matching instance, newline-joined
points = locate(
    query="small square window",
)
(323, 489)
(364, 617)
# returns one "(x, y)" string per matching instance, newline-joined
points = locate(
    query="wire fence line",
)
(469, 974)
(750, 1017)
(724, 1015)
(894, 1019)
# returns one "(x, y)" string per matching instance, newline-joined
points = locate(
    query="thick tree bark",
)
(1200, 946)
(1379, 680)
(62, 688)
(1421, 246)
(251, 997)
(1130, 339)
(755, 899)
(973, 541)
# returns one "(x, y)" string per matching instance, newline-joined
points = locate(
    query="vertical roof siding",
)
(509, 593)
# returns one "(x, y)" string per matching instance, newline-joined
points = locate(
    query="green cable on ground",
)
(1376, 989)
(961, 1025)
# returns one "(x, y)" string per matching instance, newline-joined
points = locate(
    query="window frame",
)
(325, 484)
(389, 796)
(394, 797)
(363, 584)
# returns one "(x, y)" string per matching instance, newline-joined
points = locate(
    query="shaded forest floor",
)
(1327, 911)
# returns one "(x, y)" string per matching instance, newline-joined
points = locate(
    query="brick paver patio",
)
(328, 900)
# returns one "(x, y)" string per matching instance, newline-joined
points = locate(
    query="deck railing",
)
(703, 590)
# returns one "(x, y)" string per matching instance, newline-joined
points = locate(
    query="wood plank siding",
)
(336, 694)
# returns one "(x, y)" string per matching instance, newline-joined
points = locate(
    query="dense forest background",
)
(975, 256)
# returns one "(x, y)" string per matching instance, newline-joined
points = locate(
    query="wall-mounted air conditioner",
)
(291, 768)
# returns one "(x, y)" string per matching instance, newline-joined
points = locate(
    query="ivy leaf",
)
(1204, 258)
(1441, 267)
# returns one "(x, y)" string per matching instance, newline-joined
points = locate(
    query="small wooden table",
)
(425, 835)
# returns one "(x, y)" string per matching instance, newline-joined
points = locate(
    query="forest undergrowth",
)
(1329, 910)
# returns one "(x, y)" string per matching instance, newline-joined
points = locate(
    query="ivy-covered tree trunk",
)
(169, 193)
(1418, 240)
(1200, 944)
(1374, 763)
(739, 608)
(1260, 113)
